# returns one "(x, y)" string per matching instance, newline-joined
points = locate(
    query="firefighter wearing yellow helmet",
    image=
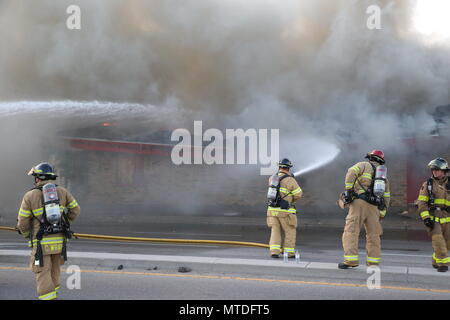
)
(283, 192)
(44, 219)
(434, 209)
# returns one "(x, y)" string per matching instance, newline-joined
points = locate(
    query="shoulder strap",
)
(286, 175)
(41, 222)
(430, 185)
(430, 192)
(373, 178)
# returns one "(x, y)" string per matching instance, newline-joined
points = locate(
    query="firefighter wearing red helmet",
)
(367, 196)
(434, 209)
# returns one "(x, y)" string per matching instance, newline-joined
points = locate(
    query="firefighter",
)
(364, 209)
(434, 209)
(48, 245)
(281, 212)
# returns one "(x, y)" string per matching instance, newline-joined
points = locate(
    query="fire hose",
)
(137, 239)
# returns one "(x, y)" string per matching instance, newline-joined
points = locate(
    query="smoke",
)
(311, 68)
(316, 58)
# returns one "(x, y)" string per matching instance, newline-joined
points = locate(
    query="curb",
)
(291, 269)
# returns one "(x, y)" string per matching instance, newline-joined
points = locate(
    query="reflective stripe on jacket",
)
(441, 201)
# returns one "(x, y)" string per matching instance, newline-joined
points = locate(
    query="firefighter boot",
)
(346, 266)
(442, 269)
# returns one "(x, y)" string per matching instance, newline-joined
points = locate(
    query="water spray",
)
(326, 156)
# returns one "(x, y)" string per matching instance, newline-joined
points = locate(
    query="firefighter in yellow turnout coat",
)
(48, 250)
(281, 216)
(363, 212)
(434, 209)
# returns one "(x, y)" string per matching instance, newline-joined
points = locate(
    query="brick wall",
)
(154, 181)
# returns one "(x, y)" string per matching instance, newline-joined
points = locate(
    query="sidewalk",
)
(252, 267)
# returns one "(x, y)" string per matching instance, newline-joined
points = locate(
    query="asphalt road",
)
(113, 283)
(18, 283)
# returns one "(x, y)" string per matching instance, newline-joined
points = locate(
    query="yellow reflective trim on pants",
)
(351, 258)
(444, 260)
(372, 259)
(289, 250)
(48, 296)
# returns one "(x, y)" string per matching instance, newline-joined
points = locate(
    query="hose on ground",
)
(138, 239)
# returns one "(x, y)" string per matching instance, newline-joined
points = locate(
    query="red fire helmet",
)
(377, 154)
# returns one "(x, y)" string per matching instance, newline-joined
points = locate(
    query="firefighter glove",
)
(429, 223)
(349, 196)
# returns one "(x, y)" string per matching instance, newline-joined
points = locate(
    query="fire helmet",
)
(376, 155)
(439, 164)
(285, 163)
(43, 171)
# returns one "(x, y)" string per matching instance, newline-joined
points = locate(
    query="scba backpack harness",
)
(52, 221)
(274, 198)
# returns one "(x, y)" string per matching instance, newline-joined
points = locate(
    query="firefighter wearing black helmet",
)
(281, 211)
(434, 209)
(47, 241)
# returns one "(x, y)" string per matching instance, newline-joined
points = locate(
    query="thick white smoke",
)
(311, 68)
(316, 58)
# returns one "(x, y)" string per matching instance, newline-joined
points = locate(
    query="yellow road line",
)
(335, 284)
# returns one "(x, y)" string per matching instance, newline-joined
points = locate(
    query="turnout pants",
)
(282, 222)
(48, 276)
(361, 214)
(440, 240)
